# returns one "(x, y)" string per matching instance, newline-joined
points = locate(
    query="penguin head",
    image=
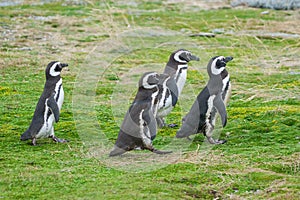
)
(217, 64)
(54, 68)
(149, 80)
(183, 56)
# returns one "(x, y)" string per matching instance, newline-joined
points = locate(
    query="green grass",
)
(108, 45)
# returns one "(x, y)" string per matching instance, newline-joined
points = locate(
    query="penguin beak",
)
(227, 59)
(187, 56)
(193, 57)
(63, 65)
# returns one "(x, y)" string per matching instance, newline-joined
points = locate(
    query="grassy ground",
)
(108, 45)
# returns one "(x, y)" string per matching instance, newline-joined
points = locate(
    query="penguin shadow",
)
(40, 143)
(140, 160)
(46, 141)
(200, 138)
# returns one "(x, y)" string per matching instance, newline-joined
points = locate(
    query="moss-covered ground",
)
(109, 44)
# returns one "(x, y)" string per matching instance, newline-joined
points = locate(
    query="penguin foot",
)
(160, 122)
(221, 141)
(188, 138)
(56, 139)
(34, 142)
(172, 125)
(212, 141)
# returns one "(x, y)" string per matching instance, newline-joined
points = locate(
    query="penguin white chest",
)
(47, 128)
(165, 104)
(144, 131)
(59, 94)
(166, 98)
(181, 78)
(154, 107)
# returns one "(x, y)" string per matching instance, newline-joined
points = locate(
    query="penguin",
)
(138, 129)
(176, 68)
(212, 99)
(48, 107)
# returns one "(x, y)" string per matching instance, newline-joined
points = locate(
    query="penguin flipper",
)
(220, 106)
(51, 103)
(171, 83)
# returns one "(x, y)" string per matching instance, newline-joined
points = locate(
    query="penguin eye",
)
(184, 56)
(188, 55)
(181, 57)
(58, 67)
(220, 63)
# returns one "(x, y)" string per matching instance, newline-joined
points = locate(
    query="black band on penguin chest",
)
(227, 86)
(166, 97)
(182, 68)
(48, 114)
(58, 92)
(180, 71)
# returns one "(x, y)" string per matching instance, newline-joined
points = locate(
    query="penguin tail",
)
(180, 134)
(25, 136)
(116, 151)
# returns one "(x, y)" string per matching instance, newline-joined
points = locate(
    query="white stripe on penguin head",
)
(176, 56)
(52, 71)
(145, 81)
(215, 70)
